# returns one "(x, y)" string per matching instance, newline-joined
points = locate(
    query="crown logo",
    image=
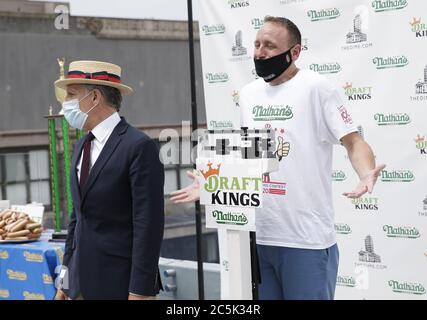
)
(348, 85)
(419, 139)
(211, 171)
(415, 22)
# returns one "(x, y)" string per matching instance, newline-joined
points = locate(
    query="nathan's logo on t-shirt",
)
(345, 115)
(231, 191)
(271, 113)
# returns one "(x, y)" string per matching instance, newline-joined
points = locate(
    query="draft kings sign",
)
(231, 190)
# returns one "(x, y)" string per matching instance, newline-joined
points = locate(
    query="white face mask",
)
(72, 113)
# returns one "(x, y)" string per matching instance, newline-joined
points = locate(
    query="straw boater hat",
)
(94, 72)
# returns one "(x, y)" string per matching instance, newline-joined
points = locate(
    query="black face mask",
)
(272, 68)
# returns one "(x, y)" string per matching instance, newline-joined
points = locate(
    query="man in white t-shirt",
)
(296, 240)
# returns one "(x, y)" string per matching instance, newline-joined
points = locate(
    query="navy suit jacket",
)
(116, 229)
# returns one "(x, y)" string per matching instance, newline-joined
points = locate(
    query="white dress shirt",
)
(101, 132)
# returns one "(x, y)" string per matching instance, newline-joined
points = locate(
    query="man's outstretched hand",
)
(189, 193)
(366, 184)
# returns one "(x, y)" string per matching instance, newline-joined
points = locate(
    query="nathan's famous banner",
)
(375, 53)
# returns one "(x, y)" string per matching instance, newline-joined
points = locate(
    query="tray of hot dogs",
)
(18, 227)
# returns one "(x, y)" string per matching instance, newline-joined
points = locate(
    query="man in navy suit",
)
(114, 236)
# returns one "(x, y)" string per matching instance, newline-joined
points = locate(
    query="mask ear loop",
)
(92, 108)
(290, 53)
(85, 98)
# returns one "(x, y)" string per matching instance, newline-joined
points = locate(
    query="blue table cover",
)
(27, 270)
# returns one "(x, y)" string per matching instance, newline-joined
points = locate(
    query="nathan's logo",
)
(217, 77)
(346, 281)
(421, 86)
(221, 124)
(4, 255)
(325, 68)
(421, 144)
(213, 29)
(392, 119)
(323, 14)
(338, 175)
(365, 203)
(33, 257)
(234, 191)
(342, 228)
(33, 296)
(401, 232)
(386, 5)
(418, 28)
(16, 275)
(357, 93)
(47, 279)
(397, 176)
(271, 113)
(257, 23)
(4, 293)
(230, 218)
(390, 62)
(407, 287)
(234, 4)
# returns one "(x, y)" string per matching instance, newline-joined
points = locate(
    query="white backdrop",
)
(375, 53)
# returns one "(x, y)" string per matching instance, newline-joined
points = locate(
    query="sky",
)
(133, 9)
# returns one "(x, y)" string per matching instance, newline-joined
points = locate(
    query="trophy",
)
(54, 145)
(60, 93)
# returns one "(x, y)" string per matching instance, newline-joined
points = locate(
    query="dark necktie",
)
(84, 173)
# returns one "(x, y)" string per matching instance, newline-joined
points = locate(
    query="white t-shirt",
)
(308, 113)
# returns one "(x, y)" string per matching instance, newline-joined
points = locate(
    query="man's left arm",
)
(363, 161)
(147, 179)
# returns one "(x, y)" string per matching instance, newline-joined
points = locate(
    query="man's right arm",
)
(68, 251)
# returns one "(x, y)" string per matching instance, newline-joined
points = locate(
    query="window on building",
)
(175, 174)
(24, 177)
